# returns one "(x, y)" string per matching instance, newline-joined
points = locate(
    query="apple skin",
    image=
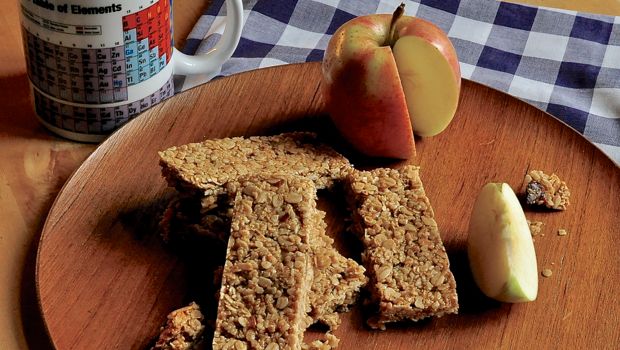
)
(500, 247)
(362, 87)
(363, 93)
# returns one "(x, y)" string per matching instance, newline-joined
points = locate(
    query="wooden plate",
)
(105, 280)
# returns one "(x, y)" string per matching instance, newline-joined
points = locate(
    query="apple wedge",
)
(384, 74)
(500, 247)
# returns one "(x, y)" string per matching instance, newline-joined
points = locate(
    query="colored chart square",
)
(132, 77)
(61, 52)
(78, 113)
(142, 31)
(63, 81)
(154, 68)
(107, 125)
(81, 126)
(104, 55)
(131, 49)
(88, 55)
(143, 73)
(62, 66)
(89, 69)
(118, 67)
(75, 69)
(105, 82)
(129, 21)
(52, 88)
(48, 48)
(51, 76)
(119, 80)
(91, 95)
(130, 35)
(145, 103)
(162, 62)
(143, 45)
(50, 61)
(68, 124)
(143, 59)
(141, 17)
(94, 127)
(152, 27)
(154, 53)
(78, 95)
(131, 64)
(120, 114)
(153, 42)
(92, 114)
(133, 108)
(118, 53)
(104, 68)
(106, 96)
(91, 82)
(65, 93)
(120, 94)
(77, 82)
(74, 54)
(106, 113)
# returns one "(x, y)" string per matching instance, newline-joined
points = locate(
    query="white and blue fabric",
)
(564, 62)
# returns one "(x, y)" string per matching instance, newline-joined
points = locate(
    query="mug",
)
(93, 65)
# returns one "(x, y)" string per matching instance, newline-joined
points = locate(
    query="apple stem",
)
(400, 10)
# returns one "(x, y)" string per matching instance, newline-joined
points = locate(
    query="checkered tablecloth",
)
(564, 62)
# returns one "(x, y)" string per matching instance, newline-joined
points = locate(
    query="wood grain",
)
(105, 281)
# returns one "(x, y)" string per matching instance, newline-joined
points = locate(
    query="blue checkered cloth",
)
(564, 62)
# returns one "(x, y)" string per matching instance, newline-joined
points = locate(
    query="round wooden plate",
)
(106, 281)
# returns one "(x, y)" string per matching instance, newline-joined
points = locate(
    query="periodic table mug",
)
(95, 64)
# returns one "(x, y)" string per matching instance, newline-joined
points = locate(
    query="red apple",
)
(386, 77)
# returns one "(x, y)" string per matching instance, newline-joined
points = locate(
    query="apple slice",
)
(429, 84)
(500, 247)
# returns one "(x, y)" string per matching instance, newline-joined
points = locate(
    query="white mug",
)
(95, 64)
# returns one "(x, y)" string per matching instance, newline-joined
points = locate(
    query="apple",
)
(500, 247)
(385, 77)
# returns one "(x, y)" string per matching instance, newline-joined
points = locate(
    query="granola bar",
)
(268, 273)
(183, 329)
(546, 190)
(337, 279)
(208, 166)
(409, 271)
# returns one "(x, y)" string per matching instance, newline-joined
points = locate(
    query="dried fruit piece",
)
(546, 190)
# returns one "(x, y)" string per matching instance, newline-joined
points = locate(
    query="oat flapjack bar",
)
(183, 329)
(337, 279)
(268, 272)
(206, 167)
(409, 271)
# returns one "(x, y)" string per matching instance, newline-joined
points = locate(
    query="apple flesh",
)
(500, 247)
(380, 78)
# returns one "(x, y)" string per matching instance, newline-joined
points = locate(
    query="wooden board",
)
(105, 280)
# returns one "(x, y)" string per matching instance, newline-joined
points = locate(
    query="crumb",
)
(562, 232)
(546, 190)
(183, 329)
(547, 272)
(535, 227)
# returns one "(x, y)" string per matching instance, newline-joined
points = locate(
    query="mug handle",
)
(211, 62)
